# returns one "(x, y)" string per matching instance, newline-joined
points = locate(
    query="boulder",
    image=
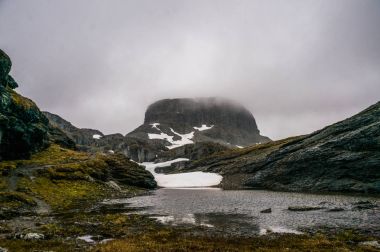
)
(269, 210)
(304, 208)
(33, 236)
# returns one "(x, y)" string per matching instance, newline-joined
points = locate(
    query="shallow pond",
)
(238, 212)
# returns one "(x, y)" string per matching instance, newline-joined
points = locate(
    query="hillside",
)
(343, 157)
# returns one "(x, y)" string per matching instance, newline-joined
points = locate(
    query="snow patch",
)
(186, 219)
(96, 136)
(185, 138)
(204, 127)
(86, 238)
(280, 230)
(188, 179)
(154, 125)
(239, 146)
(161, 136)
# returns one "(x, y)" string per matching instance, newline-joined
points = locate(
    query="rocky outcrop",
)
(23, 128)
(343, 157)
(82, 137)
(5, 67)
(192, 151)
(210, 119)
(126, 172)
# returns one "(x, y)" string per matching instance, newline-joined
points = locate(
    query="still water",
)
(238, 212)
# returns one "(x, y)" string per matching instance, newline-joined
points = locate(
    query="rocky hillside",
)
(180, 121)
(343, 157)
(82, 137)
(23, 128)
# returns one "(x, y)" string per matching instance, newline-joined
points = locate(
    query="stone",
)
(336, 209)
(5, 67)
(33, 236)
(304, 208)
(113, 185)
(268, 210)
(363, 205)
(374, 244)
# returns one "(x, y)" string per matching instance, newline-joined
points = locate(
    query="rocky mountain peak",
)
(201, 111)
(185, 120)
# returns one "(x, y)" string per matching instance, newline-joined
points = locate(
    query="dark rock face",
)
(23, 128)
(232, 123)
(82, 137)
(5, 67)
(192, 151)
(126, 172)
(344, 157)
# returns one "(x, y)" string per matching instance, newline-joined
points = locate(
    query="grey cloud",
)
(298, 65)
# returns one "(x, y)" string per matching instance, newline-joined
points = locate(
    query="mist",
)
(297, 65)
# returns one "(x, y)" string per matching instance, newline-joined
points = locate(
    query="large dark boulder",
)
(125, 172)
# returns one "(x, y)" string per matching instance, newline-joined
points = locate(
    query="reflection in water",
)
(238, 212)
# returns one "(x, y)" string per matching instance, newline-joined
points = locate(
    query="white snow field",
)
(203, 127)
(96, 136)
(189, 179)
(185, 138)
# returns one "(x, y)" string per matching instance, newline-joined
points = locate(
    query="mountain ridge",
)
(342, 157)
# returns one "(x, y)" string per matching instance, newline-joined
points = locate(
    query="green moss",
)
(56, 155)
(63, 194)
(3, 183)
(21, 101)
(170, 240)
(53, 155)
(12, 201)
(57, 245)
(7, 165)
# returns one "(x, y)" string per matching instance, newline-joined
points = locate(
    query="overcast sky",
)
(297, 65)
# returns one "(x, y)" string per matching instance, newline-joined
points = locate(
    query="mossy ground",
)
(21, 101)
(137, 233)
(53, 155)
(70, 183)
(172, 241)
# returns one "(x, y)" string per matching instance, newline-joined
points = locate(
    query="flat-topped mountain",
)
(182, 121)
